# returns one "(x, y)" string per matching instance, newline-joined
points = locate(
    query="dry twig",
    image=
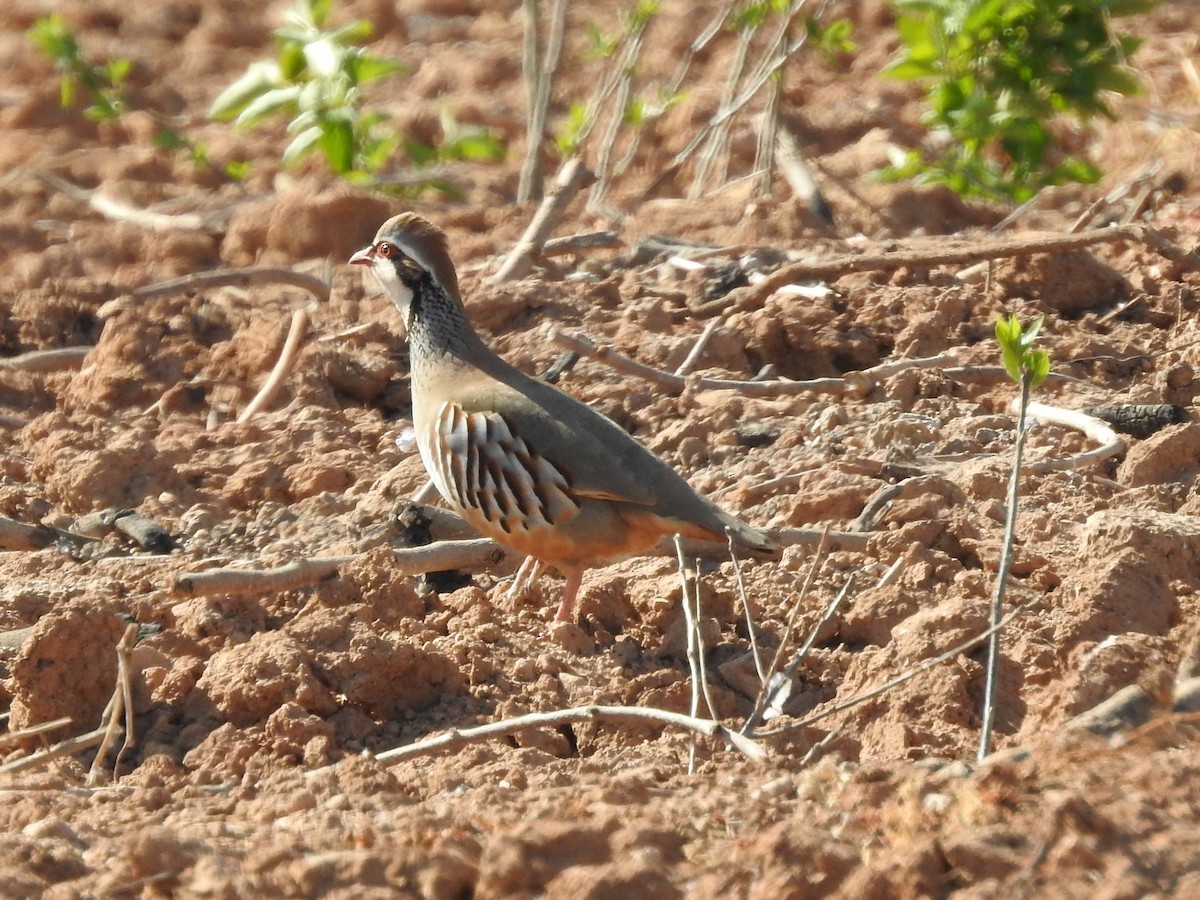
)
(753, 297)
(1097, 430)
(454, 739)
(34, 730)
(68, 747)
(283, 366)
(251, 276)
(572, 177)
(539, 70)
(908, 675)
(119, 708)
(41, 361)
(765, 689)
(16, 535)
(123, 212)
(409, 561)
(779, 387)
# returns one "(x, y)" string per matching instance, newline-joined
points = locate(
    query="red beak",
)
(364, 257)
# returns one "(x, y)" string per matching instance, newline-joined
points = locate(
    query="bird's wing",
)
(477, 461)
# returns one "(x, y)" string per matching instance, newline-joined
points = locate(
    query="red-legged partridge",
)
(521, 461)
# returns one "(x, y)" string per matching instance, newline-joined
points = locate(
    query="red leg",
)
(566, 609)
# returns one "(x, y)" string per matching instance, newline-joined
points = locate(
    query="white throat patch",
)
(385, 274)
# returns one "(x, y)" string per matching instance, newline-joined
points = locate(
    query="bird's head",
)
(407, 254)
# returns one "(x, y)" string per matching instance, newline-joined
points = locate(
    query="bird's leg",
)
(566, 609)
(527, 574)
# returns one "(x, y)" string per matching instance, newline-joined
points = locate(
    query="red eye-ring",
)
(386, 250)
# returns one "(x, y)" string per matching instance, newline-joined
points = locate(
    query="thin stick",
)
(624, 86)
(572, 177)
(453, 740)
(755, 83)
(764, 690)
(718, 134)
(601, 353)
(541, 77)
(751, 631)
(702, 40)
(529, 186)
(1006, 556)
(912, 673)
(252, 276)
(1111, 444)
(119, 707)
(47, 360)
(16, 535)
(576, 243)
(68, 747)
(698, 348)
(689, 621)
(123, 212)
(785, 676)
(34, 731)
(977, 252)
(283, 367)
(409, 561)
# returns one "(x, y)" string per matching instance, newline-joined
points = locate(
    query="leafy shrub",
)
(999, 71)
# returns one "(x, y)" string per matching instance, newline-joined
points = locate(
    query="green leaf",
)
(268, 104)
(260, 77)
(337, 144)
(419, 152)
(170, 139)
(353, 34)
(365, 69)
(237, 170)
(301, 145)
(117, 70)
(1039, 367)
(292, 61)
(477, 146)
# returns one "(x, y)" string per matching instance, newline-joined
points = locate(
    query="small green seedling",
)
(100, 85)
(1028, 366)
(1022, 361)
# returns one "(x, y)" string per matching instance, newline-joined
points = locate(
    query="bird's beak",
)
(364, 257)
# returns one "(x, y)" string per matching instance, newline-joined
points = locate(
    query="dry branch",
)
(969, 644)
(410, 561)
(1095, 429)
(778, 387)
(16, 535)
(576, 243)
(40, 361)
(118, 710)
(34, 730)
(452, 740)
(251, 276)
(753, 297)
(68, 747)
(283, 366)
(572, 178)
(119, 211)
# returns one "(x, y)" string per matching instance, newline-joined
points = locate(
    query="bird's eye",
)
(386, 250)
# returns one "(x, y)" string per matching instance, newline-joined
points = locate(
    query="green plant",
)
(999, 72)
(100, 84)
(459, 143)
(316, 81)
(1028, 367)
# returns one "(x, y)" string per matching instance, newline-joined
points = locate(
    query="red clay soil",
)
(255, 714)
